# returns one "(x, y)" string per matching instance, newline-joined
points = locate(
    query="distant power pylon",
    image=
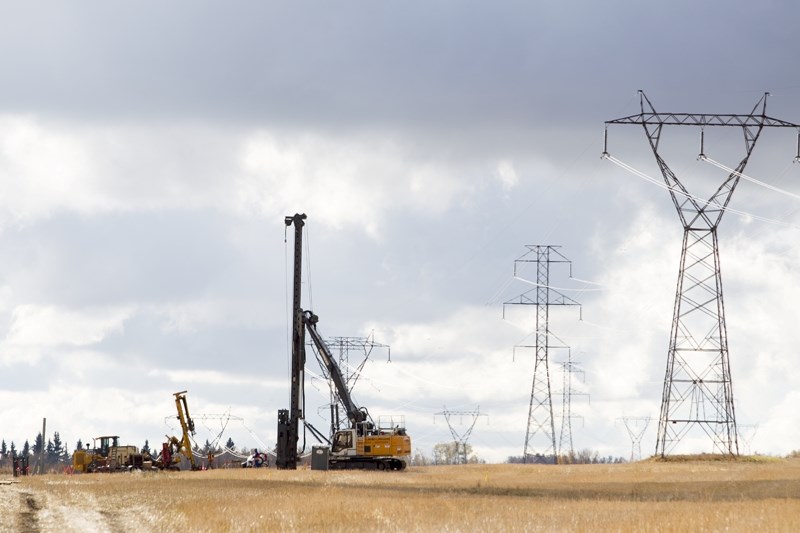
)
(345, 346)
(636, 428)
(747, 432)
(460, 438)
(568, 368)
(540, 437)
(698, 389)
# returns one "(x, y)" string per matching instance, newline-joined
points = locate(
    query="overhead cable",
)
(582, 289)
(748, 178)
(674, 190)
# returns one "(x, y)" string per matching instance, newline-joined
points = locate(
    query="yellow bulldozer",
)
(106, 455)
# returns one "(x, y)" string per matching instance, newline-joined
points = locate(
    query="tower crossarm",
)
(702, 120)
(754, 119)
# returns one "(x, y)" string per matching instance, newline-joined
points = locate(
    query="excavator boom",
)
(355, 414)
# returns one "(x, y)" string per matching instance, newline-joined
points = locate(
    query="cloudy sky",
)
(149, 153)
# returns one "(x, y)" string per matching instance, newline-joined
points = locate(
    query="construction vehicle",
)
(107, 456)
(174, 447)
(361, 446)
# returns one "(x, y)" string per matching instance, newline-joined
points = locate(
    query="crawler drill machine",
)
(362, 445)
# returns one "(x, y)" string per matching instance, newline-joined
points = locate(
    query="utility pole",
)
(40, 467)
(289, 420)
(540, 436)
(698, 389)
(460, 439)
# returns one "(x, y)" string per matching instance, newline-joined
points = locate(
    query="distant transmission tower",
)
(540, 437)
(636, 428)
(344, 346)
(698, 390)
(568, 368)
(460, 439)
(747, 433)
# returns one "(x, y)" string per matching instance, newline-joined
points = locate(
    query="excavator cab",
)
(106, 443)
(343, 440)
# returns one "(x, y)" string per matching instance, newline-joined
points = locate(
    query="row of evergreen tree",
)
(56, 452)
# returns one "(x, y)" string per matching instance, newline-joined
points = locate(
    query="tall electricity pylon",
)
(698, 390)
(363, 346)
(568, 368)
(540, 437)
(636, 428)
(460, 438)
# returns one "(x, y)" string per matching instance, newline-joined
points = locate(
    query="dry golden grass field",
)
(645, 496)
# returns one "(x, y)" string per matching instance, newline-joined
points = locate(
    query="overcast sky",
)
(149, 153)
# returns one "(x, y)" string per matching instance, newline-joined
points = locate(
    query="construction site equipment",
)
(175, 448)
(363, 445)
(106, 455)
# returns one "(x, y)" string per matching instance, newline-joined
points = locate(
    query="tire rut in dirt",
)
(29, 515)
(113, 521)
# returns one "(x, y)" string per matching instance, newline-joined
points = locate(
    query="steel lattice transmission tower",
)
(636, 427)
(460, 439)
(345, 346)
(698, 390)
(540, 436)
(568, 368)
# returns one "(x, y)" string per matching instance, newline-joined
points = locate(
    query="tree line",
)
(55, 452)
(57, 455)
(454, 453)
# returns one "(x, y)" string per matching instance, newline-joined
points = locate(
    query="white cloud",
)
(215, 377)
(50, 167)
(344, 182)
(42, 170)
(506, 174)
(35, 328)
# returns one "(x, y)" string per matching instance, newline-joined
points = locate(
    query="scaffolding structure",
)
(698, 389)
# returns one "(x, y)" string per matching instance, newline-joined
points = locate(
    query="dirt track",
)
(32, 510)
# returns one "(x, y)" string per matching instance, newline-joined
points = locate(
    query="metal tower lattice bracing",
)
(460, 438)
(698, 389)
(636, 427)
(540, 436)
(345, 346)
(568, 368)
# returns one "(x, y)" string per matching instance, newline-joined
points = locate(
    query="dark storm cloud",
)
(90, 260)
(417, 64)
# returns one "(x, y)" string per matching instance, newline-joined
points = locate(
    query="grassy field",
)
(646, 496)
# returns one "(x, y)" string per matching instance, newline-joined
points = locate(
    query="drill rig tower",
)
(289, 420)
